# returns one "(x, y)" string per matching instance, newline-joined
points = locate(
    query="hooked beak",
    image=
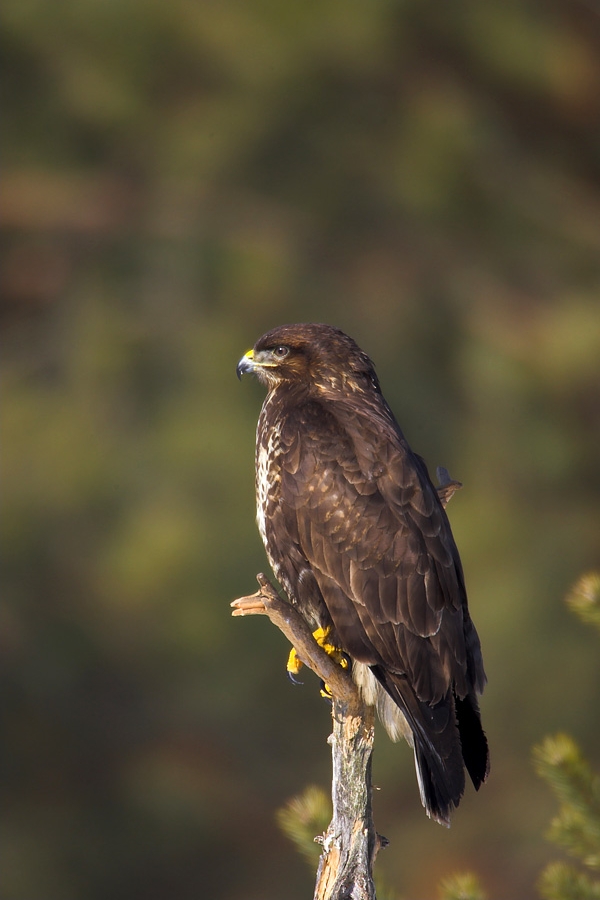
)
(246, 364)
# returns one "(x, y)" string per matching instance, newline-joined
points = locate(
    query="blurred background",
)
(178, 178)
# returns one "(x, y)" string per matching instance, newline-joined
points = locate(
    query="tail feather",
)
(437, 796)
(473, 740)
(447, 738)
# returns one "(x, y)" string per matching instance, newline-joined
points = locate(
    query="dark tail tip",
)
(473, 740)
(439, 796)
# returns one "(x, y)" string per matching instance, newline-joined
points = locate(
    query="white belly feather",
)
(268, 477)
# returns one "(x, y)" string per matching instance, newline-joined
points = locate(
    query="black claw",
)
(325, 693)
(293, 678)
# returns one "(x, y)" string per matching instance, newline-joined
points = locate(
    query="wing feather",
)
(370, 525)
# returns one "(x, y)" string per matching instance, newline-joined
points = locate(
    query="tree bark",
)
(350, 844)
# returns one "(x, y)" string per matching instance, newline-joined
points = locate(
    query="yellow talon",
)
(294, 663)
(320, 636)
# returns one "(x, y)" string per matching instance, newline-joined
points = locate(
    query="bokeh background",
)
(178, 178)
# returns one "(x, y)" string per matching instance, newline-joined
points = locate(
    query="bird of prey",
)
(356, 534)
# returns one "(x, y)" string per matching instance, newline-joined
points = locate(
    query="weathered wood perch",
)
(351, 843)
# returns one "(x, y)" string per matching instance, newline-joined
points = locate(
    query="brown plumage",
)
(357, 536)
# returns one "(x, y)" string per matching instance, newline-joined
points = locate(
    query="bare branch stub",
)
(267, 602)
(447, 487)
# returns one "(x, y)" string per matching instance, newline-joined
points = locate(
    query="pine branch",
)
(576, 827)
(559, 761)
(462, 887)
(303, 817)
(584, 598)
(560, 881)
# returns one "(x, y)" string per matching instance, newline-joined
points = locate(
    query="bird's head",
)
(320, 357)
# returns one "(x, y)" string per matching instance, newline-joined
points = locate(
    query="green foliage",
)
(304, 818)
(576, 828)
(584, 598)
(559, 761)
(461, 887)
(560, 881)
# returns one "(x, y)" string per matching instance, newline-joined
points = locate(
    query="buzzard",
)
(357, 536)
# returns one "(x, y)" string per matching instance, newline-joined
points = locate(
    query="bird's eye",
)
(281, 352)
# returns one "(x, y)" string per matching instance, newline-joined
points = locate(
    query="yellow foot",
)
(321, 635)
(294, 664)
